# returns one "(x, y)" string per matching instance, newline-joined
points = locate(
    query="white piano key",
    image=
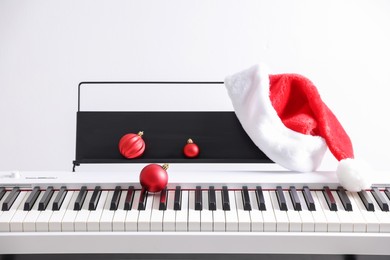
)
(206, 215)
(80, 222)
(257, 222)
(131, 221)
(156, 218)
(16, 223)
(359, 222)
(169, 218)
(119, 218)
(231, 215)
(55, 222)
(7, 216)
(32, 216)
(93, 222)
(193, 215)
(320, 221)
(67, 223)
(293, 216)
(382, 216)
(42, 223)
(268, 214)
(105, 223)
(244, 219)
(144, 215)
(2, 200)
(372, 222)
(306, 215)
(282, 222)
(218, 214)
(182, 215)
(331, 216)
(345, 219)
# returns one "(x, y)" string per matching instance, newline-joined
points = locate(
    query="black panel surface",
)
(219, 135)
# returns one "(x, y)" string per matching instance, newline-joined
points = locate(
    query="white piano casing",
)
(186, 179)
(190, 242)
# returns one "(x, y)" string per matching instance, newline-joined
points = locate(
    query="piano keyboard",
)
(203, 209)
(107, 212)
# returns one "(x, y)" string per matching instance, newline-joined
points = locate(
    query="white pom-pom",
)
(353, 175)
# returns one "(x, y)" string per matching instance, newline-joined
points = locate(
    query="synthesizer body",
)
(242, 228)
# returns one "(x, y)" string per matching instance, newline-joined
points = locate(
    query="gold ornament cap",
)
(165, 166)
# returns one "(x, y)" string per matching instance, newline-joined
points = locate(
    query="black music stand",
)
(219, 135)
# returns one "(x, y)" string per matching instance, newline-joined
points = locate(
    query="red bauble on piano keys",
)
(154, 177)
(132, 145)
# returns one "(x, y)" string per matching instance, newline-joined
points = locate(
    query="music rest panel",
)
(219, 135)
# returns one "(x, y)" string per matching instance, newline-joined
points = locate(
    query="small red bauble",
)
(191, 150)
(132, 145)
(154, 177)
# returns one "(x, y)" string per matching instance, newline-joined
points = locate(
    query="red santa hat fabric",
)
(286, 118)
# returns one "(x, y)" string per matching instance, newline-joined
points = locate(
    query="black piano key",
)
(177, 199)
(245, 198)
(295, 199)
(260, 198)
(95, 198)
(57, 203)
(142, 199)
(379, 199)
(281, 198)
(80, 198)
(212, 199)
(115, 198)
(46, 198)
(309, 199)
(129, 198)
(329, 199)
(344, 198)
(225, 198)
(2, 192)
(7, 204)
(31, 199)
(198, 198)
(366, 200)
(163, 199)
(387, 192)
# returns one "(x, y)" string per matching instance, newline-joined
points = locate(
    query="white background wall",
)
(48, 47)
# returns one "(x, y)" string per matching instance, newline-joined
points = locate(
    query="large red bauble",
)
(154, 177)
(132, 145)
(191, 150)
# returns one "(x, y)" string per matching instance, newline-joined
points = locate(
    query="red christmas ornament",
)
(191, 149)
(154, 177)
(132, 145)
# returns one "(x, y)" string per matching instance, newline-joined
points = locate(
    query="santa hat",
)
(286, 118)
